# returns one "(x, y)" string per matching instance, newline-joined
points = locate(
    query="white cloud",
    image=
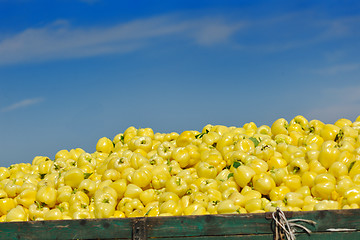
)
(22, 104)
(61, 40)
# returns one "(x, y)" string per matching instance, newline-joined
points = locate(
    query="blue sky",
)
(74, 71)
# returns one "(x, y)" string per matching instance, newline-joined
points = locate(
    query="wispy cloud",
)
(22, 104)
(339, 68)
(61, 40)
(298, 30)
(337, 103)
(209, 34)
(340, 27)
(332, 113)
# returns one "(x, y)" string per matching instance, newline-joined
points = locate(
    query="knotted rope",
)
(287, 228)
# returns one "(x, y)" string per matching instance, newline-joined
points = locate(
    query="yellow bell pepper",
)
(26, 197)
(227, 207)
(148, 196)
(4, 173)
(6, 204)
(152, 209)
(323, 190)
(263, 183)
(37, 211)
(119, 163)
(278, 193)
(87, 186)
(278, 174)
(119, 186)
(185, 138)
(105, 204)
(328, 153)
(17, 214)
(73, 177)
(81, 214)
(293, 182)
(111, 174)
(254, 205)
(279, 127)
(176, 185)
(141, 143)
(195, 209)
(104, 145)
(137, 160)
(165, 149)
(298, 166)
(243, 175)
(354, 168)
(131, 207)
(308, 178)
(62, 154)
(170, 208)
(47, 195)
(294, 199)
(329, 132)
(132, 191)
(206, 170)
(182, 156)
(148, 132)
(53, 214)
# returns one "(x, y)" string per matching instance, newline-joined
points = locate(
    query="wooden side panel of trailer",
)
(330, 224)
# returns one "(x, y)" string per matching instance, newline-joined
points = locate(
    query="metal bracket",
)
(139, 229)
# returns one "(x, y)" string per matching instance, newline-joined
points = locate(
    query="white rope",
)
(283, 224)
(289, 226)
(341, 230)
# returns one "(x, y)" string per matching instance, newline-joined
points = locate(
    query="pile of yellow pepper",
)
(299, 165)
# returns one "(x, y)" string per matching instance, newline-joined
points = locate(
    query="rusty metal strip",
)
(139, 229)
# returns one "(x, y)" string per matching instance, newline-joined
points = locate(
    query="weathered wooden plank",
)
(336, 219)
(207, 226)
(329, 236)
(232, 237)
(329, 218)
(302, 236)
(247, 223)
(68, 229)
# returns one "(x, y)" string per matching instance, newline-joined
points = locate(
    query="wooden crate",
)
(334, 224)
